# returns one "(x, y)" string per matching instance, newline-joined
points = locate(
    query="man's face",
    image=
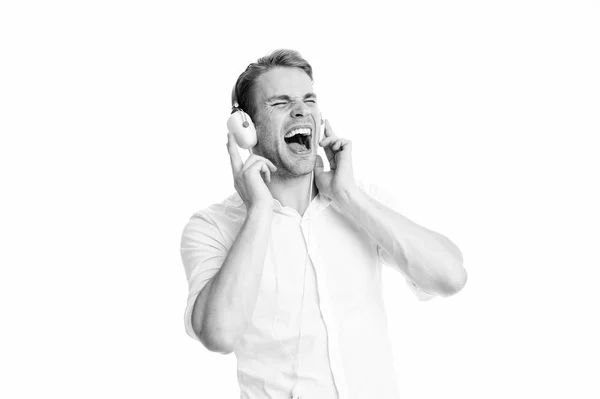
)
(287, 121)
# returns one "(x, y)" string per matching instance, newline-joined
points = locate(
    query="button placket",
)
(329, 319)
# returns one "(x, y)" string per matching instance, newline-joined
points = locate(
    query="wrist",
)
(261, 209)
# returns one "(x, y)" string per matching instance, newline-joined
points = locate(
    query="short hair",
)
(244, 87)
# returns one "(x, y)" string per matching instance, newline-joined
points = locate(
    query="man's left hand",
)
(338, 182)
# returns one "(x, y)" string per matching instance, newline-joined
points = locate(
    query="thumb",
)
(319, 166)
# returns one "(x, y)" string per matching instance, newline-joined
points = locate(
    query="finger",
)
(343, 145)
(319, 166)
(266, 172)
(331, 145)
(259, 167)
(234, 154)
(332, 141)
(326, 141)
(255, 158)
(337, 145)
(330, 156)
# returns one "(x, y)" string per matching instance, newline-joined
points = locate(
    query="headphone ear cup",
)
(242, 128)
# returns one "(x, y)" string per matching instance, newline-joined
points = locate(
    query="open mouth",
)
(299, 139)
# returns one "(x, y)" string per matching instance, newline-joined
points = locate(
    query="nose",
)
(300, 109)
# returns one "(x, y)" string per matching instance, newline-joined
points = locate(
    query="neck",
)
(294, 192)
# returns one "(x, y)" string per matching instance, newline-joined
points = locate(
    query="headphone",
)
(242, 127)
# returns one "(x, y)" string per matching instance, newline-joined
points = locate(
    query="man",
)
(292, 284)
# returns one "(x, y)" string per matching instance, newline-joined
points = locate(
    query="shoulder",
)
(382, 194)
(377, 192)
(230, 209)
(222, 219)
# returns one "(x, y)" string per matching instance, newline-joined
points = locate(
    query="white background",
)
(480, 115)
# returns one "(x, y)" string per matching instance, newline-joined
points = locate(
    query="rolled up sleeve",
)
(202, 252)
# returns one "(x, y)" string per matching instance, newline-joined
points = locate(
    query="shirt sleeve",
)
(203, 252)
(385, 198)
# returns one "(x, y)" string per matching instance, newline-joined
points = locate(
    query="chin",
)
(302, 167)
(291, 170)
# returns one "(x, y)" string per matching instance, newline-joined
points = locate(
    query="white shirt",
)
(345, 350)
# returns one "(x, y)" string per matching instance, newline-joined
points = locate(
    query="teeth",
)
(303, 130)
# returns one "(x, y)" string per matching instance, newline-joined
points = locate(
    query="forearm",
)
(223, 315)
(428, 258)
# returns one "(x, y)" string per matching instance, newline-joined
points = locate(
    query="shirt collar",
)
(318, 203)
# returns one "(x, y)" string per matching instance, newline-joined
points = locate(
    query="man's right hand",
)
(247, 178)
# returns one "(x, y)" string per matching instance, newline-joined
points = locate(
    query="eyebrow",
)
(285, 97)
